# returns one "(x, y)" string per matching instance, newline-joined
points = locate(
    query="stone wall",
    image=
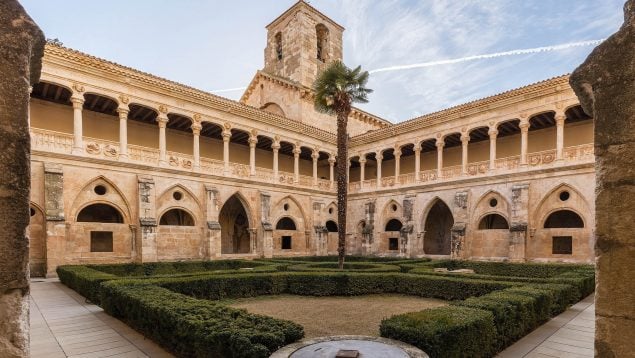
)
(21, 50)
(604, 84)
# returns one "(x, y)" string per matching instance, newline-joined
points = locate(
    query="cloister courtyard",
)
(144, 217)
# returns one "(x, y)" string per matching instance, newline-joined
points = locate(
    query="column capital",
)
(362, 160)
(465, 138)
(524, 124)
(77, 100)
(331, 159)
(227, 134)
(379, 156)
(275, 146)
(492, 133)
(417, 147)
(315, 154)
(560, 118)
(296, 151)
(123, 111)
(162, 119)
(253, 140)
(397, 152)
(440, 143)
(196, 128)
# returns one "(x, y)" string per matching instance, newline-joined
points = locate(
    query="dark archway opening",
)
(493, 222)
(564, 219)
(331, 226)
(100, 213)
(438, 226)
(176, 217)
(393, 225)
(234, 222)
(286, 224)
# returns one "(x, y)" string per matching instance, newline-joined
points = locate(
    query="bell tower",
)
(300, 43)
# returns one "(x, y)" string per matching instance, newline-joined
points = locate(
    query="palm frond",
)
(340, 82)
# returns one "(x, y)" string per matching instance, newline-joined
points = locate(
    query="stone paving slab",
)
(569, 335)
(64, 325)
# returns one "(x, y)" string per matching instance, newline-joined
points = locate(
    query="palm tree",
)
(336, 88)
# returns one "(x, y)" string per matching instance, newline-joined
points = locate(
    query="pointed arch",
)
(113, 196)
(167, 199)
(177, 216)
(548, 204)
(438, 222)
(236, 224)
(245, 203)
(491, 202)
(279, 204)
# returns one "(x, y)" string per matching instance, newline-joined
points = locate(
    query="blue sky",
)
(215, 44)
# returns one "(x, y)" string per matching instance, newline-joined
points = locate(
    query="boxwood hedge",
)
(175, 303)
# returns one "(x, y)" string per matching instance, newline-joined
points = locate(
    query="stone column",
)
(519, 219)
(147, 218)
(55, 219)
(315, 155)
(123, 111)
(604, 85)
(227, 134)
(162, 119)
(417, 150)
(379, 157)
(493, 133)
(560, 118)
(267, 228)
(275, 147)
(77, 99)
(331, 170)
(362, 170)
(253, 140)
(196, 148)
(440, 144)
(465, 141)
(213, 229)
(21, 50)
(296, 163)
(397, 154)
(524, 136)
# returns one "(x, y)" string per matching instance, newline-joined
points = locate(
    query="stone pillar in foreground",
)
(604, 83)
(21, 51)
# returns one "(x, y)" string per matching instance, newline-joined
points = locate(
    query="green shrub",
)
(183, 267)
(196, 328)
(535, 270)
(84, 280)
(348, 266)
(445, 331)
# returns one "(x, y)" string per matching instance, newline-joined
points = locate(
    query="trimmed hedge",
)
(444, 331)
(171, 268)
(84, 280)
(534, 270)
(196, 328)
(348, 266)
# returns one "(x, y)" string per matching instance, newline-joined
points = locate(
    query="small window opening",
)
(393, 243)
(101, 241)
(286, 242)
(562, 245)
(100, 190)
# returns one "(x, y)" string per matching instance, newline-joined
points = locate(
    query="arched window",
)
(492, 222)
(322, 41)
(331, 226)
(393, 225)
(176, 217)
(285, 224)
(278, 40)
(564, 219)
(100, 213)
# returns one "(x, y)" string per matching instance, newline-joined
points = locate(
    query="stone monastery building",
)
(130, 167)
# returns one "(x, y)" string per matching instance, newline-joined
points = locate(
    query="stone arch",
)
(286, 223)
(393, 225)
(188, 200)
(177, 216)
(483, 206)
(547, 242)
(112, 196)
(236, 224)
(493, 221)
(437, 226)
(36, 234)
(274, 108)
(331, 226)
(100, 212)
(322, 42)
(563, 218)
(286, 239)
(392, 210)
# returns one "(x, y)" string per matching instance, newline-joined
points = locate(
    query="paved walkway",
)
(569, 335)
(64, 325)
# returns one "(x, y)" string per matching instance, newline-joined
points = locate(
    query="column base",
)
(123, 157)
(77, 151)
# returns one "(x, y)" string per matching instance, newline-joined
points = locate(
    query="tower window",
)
(279, 46)
(322, 41)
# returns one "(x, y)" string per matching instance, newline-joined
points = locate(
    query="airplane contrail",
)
(489, 55)
(466, 59)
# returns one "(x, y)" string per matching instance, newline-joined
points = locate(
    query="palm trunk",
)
(342, 182)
